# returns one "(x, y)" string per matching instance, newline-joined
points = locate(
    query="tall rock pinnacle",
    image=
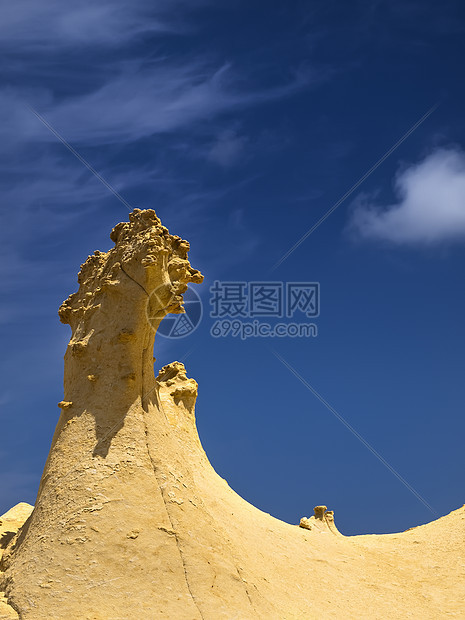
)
(132, 522)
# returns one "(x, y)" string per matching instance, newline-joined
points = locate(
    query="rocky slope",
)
(131, 521)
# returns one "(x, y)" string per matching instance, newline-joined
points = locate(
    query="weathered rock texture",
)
(131, 521)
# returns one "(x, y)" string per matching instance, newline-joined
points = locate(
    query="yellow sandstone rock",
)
(10, 523)
(131, 521)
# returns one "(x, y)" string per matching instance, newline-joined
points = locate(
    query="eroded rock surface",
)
(131, 521)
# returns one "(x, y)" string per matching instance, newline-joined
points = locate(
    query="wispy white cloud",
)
(51, 24)
(140, 101)
(430, 207)
(116, 96)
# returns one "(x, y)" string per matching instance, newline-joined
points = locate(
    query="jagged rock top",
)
(146, 253)
(174, 376)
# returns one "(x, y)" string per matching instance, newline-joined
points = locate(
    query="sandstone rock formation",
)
(131, 521)
(12, 520)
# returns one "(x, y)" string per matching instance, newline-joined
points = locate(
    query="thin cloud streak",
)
(150, 99)
(31, 27)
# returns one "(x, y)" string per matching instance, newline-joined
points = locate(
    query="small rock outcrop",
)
(322, 520)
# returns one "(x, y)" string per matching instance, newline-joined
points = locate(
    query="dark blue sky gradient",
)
(241, 125)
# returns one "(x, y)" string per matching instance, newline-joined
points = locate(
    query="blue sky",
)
(242, 126)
